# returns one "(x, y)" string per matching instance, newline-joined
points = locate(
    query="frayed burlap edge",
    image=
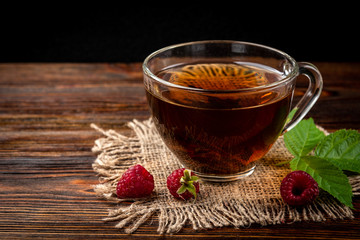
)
(116, 153)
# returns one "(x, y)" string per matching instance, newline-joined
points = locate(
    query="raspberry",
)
(136, 182)
(183, 184)
(298, 188)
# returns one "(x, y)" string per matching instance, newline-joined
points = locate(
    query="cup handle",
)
(311, 95)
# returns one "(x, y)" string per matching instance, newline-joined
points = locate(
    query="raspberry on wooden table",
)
(183, 184)
(136, 182)
(299, 188)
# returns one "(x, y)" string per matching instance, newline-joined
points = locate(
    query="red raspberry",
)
(136, 182)
(298, 188)
(183, 184)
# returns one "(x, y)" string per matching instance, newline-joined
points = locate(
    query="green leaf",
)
(291, 115)
(303, 138)
(187, 183)
(329, 177)
(182, 189)
(194, 178)
(342, 148)
(191, 188)
(187, 174)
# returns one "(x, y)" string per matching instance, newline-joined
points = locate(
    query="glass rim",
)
(285, 79)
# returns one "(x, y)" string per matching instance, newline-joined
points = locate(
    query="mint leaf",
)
(342, 148)
(303, 138)
(329, 177)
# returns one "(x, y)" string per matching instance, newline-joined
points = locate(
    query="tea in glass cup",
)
(220, 105)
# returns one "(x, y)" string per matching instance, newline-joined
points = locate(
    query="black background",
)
(117, 33)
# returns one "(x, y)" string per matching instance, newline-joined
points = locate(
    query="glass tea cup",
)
(220, 105)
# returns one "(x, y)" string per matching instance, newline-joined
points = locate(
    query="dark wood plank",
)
(45, 149)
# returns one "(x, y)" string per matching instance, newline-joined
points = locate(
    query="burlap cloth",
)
(252, 200)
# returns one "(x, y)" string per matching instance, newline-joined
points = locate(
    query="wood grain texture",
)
(45, 149)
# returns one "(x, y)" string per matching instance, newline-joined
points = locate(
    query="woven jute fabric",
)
(252, 200)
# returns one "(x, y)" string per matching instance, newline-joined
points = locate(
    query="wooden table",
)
(46, 176)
